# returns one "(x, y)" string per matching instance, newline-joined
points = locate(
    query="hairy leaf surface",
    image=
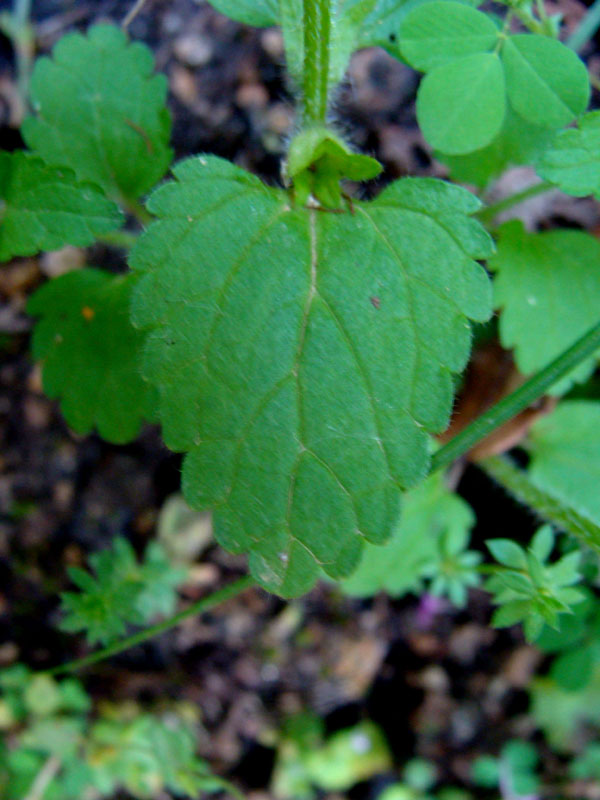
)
(572, 162)
(429, 511)
(547, 287)
(43, 208)
(564, 448)
(101, 111)
(301, 356)
(90, 351)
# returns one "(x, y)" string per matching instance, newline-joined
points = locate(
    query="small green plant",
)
(301, 346)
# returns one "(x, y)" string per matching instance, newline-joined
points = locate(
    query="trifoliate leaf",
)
(90, 352)
(547, 288)
(519, 143)
(101, 111)
(461, 105)
(564, 447)
(397, 567)
(441, 31)
(121, 592)
(572, 162)
(302, 356)
(42, 208)
(259, 13)
(545, 69)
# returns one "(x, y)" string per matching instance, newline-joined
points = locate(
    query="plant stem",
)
(123, 239)
(518, 401)
(21, 34)
(549, 508)
(137, 210)
(215, 599)
(487, 214)
(317, 33)
(586, 28)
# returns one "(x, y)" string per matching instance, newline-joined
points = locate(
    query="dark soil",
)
(442, 684)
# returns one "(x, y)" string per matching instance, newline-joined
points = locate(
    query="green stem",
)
(123, 239)
(487, 214)
(22, 37)
(549, 508)
(137, 210)
(586, 28)
(215, 599)
(518, 401)
(317, 33)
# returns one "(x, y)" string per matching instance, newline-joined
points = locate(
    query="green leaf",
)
(564, 447)
(42, 208)
(90, 352)
(461, 105)
(122, 592)
(572, 162)
(429, 512)
(301, 358)
(382, 25)
(260, 13)
(547, 288)
(573, 670)
(546, 82)
(518, 143)
(508, 553)
(559, 713)
(441, 31)
(101, 111)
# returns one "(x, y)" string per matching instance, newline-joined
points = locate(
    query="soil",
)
(441, 682)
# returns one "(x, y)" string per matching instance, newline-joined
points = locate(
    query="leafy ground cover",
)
(437, 682)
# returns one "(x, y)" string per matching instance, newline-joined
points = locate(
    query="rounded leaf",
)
(461, 105)
(546, 82)
(438, 32)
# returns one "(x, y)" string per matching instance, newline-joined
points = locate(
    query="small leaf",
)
(438, 32)
(542, 68)
(572, 162)
(89, 352)
(519, 143)
(507, 552)
(564, 447)
(547, 287)
(461, 105)
(542, 543)
(429, 513)
(42, 208)
(101, 111)
(260, 13)
(572, 670)
(302, 430)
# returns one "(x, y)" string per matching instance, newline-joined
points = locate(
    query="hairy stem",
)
(215, 599)
(518, 401)
(487, 214)
(317, 33)
(586, 28)
(549, 508)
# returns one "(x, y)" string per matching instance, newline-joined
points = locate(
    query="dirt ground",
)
(441, 682)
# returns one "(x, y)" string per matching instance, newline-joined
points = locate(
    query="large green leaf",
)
(546, 82)
(90, 351)
(43, 208)
(547, 287)
(429, 512)
(564, 448)
(101, 111)
(518, 143)
(301, 356)
(260, 13)
(461, 104)
(573, 160)
(442, 31)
